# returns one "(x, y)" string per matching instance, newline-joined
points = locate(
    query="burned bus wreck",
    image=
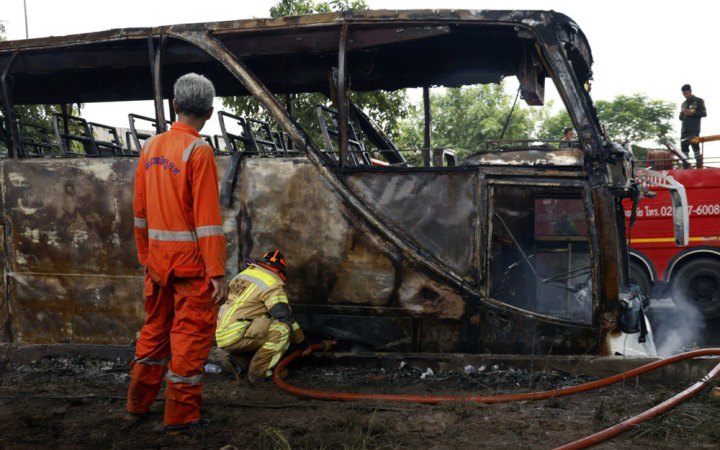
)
(519, 248)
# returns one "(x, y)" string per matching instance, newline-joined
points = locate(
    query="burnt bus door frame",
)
(576, 187)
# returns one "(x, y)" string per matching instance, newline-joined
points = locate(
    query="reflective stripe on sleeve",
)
(174, 236)
(140, 223)
(195, 144)
(175, 378)
(210, 230)
(146, 145)
(277, 299)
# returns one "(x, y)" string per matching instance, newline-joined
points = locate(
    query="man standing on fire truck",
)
(691, 111)
(180, 241)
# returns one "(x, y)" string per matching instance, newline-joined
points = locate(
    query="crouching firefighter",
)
(257, 318)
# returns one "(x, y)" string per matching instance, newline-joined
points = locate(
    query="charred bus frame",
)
(436, 295)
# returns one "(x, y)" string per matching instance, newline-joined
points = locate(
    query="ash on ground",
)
(79, 402)
(495, 379)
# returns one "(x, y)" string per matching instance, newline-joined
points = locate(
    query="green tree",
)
(386, 109)
(551, 126)
(301, 7)
(635, 118)
(464, 118)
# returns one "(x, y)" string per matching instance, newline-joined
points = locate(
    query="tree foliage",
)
(635, 118)
(301, 7)
(387, 109)
(551, 126)
(464, 118)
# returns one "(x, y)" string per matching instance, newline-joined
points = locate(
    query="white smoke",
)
(678, 326)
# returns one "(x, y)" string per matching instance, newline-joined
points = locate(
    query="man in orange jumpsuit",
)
(180, 241)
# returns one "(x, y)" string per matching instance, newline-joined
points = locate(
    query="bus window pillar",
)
(155, 53)
(342, 95)
(6, 89)
(428, 122)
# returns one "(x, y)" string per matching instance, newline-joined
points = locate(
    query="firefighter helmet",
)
(275, 259)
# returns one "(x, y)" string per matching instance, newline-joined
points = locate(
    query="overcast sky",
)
(638, 46)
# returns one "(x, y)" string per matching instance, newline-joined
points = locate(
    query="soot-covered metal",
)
(394, 258)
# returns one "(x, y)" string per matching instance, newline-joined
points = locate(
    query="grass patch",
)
(687, 420)
(272, 438)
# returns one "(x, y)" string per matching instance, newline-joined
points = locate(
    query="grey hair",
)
(194, 94)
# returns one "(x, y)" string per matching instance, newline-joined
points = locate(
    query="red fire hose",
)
(505, 398)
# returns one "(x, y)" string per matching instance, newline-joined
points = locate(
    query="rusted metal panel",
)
(71, 261)
(342, 276)
(4, 304)
(394, 334)
(77, 308)
(367, 256)
(437, 210)
(442, 336)
(5, 325)
(285, 205)
(513, 334)
(74, 275)
(333, 259)
(364, 276)
(230, 216)
(70, 216)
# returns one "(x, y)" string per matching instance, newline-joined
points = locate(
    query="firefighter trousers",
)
(268, 339)
(179, 329)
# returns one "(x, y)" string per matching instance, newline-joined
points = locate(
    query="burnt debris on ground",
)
(78, 402)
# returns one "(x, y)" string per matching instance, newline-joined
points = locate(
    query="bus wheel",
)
(697, 285)
(639, 276)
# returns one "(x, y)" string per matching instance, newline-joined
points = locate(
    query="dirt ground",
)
(76, 402)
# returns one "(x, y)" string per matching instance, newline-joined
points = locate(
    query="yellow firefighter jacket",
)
(253, 294)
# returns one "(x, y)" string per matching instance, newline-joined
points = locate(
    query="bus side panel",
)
(4, 304)
(74, 273)
(73, 270)
(438, 211)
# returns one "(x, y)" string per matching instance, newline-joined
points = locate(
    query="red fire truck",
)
(661, 268)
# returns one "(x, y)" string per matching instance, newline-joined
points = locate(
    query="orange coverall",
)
(180, 240)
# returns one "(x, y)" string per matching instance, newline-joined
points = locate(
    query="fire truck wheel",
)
(697, 285)
(639, 276)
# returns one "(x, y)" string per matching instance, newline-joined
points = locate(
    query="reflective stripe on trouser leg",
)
(152, 350)
(231, 334)
(271, 351)
(190, 339)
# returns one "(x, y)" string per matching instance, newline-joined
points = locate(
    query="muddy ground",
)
(77, 402)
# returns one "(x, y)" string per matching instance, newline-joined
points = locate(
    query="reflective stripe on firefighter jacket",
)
(181, 233)
(253, 292)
